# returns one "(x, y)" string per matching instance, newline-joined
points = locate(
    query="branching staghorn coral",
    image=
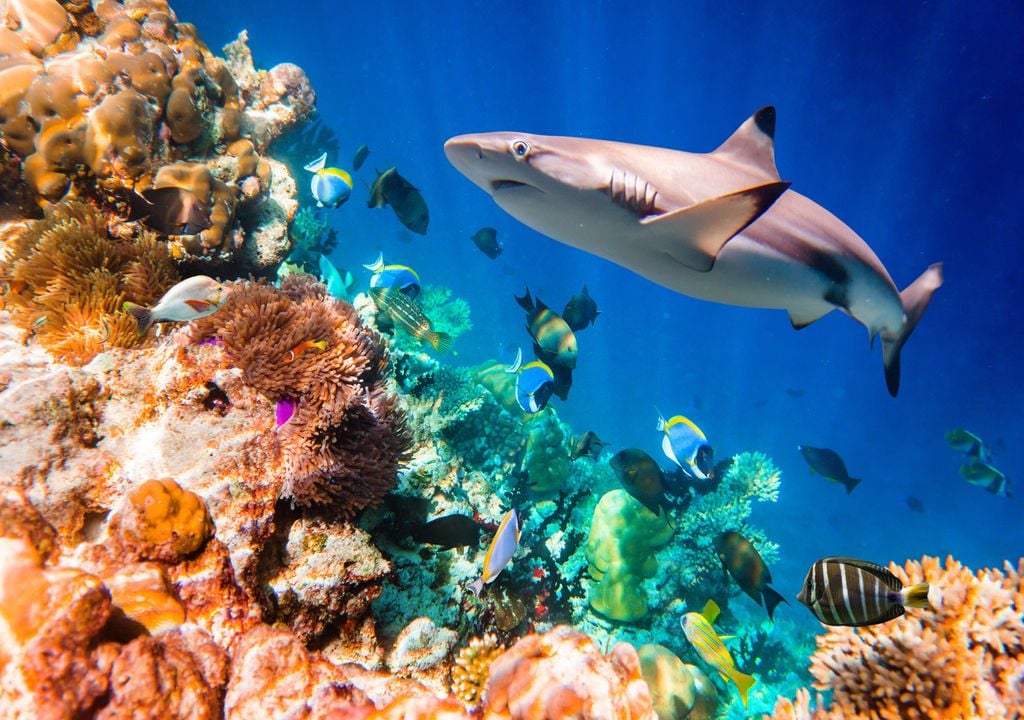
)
(345, 442)
(963, 659)
(68, 279)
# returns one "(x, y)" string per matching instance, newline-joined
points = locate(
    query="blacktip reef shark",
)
(721, 226)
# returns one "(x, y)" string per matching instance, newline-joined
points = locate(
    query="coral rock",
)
(19, 520)
(414, 708)
(563, 674)
(50, 616)
(472, 666)
(964, 658)
(421, 651)
(143, 600)
(671, 685)
(329, 571)
(161, 521)
(119, 136)
(178, 675)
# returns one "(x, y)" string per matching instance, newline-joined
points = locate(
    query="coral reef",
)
(312, 236)
(101, 103)
(563, 674)
(964, 658)
(546, 460)
(345, 442)
(472, 665)
(69, 281)
(620, 549)
(161, 521)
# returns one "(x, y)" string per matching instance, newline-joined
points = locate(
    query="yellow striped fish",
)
(707, 643)
(408, 314)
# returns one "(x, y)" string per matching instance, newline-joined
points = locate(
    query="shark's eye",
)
(520, 148)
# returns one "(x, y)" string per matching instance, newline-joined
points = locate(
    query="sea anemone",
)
(67, 281)
(346, 439)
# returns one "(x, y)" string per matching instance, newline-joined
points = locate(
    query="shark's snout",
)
(484, 158)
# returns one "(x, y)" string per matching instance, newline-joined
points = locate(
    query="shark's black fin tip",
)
(765, 120)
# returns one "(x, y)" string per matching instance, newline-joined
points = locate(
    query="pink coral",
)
(963, 659)
(562, 674)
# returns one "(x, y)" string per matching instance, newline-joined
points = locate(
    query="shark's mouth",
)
(507, 185)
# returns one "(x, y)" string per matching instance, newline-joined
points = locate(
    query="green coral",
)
(620, 552)
(448, 314)
(546, 461)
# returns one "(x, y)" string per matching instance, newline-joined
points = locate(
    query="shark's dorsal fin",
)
(694, 235)
(753, 144)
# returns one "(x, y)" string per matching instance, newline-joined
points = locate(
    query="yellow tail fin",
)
(442, 342)
(743, 683)
(917, 596)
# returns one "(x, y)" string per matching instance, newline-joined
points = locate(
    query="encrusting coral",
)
(345, 441)
(563, 674)
(962, 659)
(68, 280)
(162, 521)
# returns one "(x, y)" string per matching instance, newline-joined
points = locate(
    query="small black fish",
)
(641, 477)
(360, 157)
(450, 531)
(855, 593)
(914, 504)
(829, 465)
(170, 211)
(581, 310)
(405, 200)
(742, 560)
(587, 445)
(487, 240)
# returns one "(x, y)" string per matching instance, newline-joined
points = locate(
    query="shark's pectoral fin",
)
(694, 235)
(800, 318)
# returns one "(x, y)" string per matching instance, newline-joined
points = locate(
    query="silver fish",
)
(192, 298)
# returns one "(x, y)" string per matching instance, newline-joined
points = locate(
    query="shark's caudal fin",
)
(915, 299)
(753, 144)
(694, 235)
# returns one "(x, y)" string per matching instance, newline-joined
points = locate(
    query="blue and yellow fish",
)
(499, 554)
(535, 382)
(686, 445)
(402, 277)
(706, 641)
(331, 186)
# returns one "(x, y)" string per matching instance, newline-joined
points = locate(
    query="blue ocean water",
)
(903, 119)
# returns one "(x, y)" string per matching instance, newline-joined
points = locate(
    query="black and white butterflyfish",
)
(855, 593)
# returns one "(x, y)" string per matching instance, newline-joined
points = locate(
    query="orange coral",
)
(344, 444)
(143, 600)
(69, 280)
(162, 521)
(562, 674)
(963, 659)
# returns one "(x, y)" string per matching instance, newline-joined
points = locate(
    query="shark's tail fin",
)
(915, 299)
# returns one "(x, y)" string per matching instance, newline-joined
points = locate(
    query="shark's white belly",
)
(796, 257)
